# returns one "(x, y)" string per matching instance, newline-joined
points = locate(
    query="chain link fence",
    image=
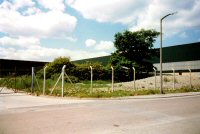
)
(34, 80)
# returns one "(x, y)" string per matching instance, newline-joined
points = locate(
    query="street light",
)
(112, 78)
(161, 83)
(91, 79)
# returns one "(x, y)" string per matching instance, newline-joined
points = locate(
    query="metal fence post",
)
(63, 76)
(173, 78)
(32, 82)
(155, 76)
(112, 78)
(44, 82)
(91, 79)
(15, 74)
(134, 76)
(190, 78)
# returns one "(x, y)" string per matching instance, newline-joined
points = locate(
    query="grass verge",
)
(101, 89)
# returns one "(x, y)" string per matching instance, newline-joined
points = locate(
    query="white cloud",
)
(105, 45)
(90, 42)
(70, 2)
(22, 3)
(187, 17)
(31, 11)
(101, 46)
(24, 24)
(19, 41)
(139, 14)
(46, 54)
(106, 11)
(53, 4)
(40, 24)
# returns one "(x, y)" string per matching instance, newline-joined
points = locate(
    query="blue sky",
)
(42, 30)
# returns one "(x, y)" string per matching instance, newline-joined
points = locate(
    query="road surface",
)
(156, 114)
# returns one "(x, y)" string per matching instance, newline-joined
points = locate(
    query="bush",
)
(73, 79)
(76, 72)
(99, 71)
(55, 76)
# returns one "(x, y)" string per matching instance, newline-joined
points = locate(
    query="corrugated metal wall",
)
(183, 65)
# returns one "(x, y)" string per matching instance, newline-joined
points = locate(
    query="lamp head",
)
(174, 13)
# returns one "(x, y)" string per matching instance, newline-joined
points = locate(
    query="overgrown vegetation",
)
(101, 89)
(76, 72)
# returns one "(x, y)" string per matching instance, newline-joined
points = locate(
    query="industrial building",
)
(179, 57)
(8, 66)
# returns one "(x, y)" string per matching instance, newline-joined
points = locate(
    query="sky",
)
(42, 30)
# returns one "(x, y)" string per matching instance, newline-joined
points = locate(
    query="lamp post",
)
(91, 91)
(134, 76)
(155, 75)
(161, 82)
(112, 78)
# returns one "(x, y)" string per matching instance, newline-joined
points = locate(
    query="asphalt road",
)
(157, 114)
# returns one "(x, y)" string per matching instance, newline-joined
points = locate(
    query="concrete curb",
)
(155, 96)
(172, 95)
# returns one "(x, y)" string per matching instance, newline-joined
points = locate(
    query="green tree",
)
(99, 71)
(133, 49)
(54, 68)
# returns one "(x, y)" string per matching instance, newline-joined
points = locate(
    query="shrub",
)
(73, 79)
(55, 76)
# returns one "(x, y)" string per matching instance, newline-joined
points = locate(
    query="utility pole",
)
(161, 82)
(112, 78)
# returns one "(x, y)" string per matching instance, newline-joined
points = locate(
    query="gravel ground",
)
(149, 83)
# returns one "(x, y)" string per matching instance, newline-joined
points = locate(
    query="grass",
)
(183, 90)
(101, 89)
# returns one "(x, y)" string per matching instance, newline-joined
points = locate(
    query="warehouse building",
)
(179, 57)
(20, 67)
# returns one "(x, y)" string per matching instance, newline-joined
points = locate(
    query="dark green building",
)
(19, 67)
(179, 57)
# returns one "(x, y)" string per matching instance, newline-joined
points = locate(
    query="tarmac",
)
(21, 113)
